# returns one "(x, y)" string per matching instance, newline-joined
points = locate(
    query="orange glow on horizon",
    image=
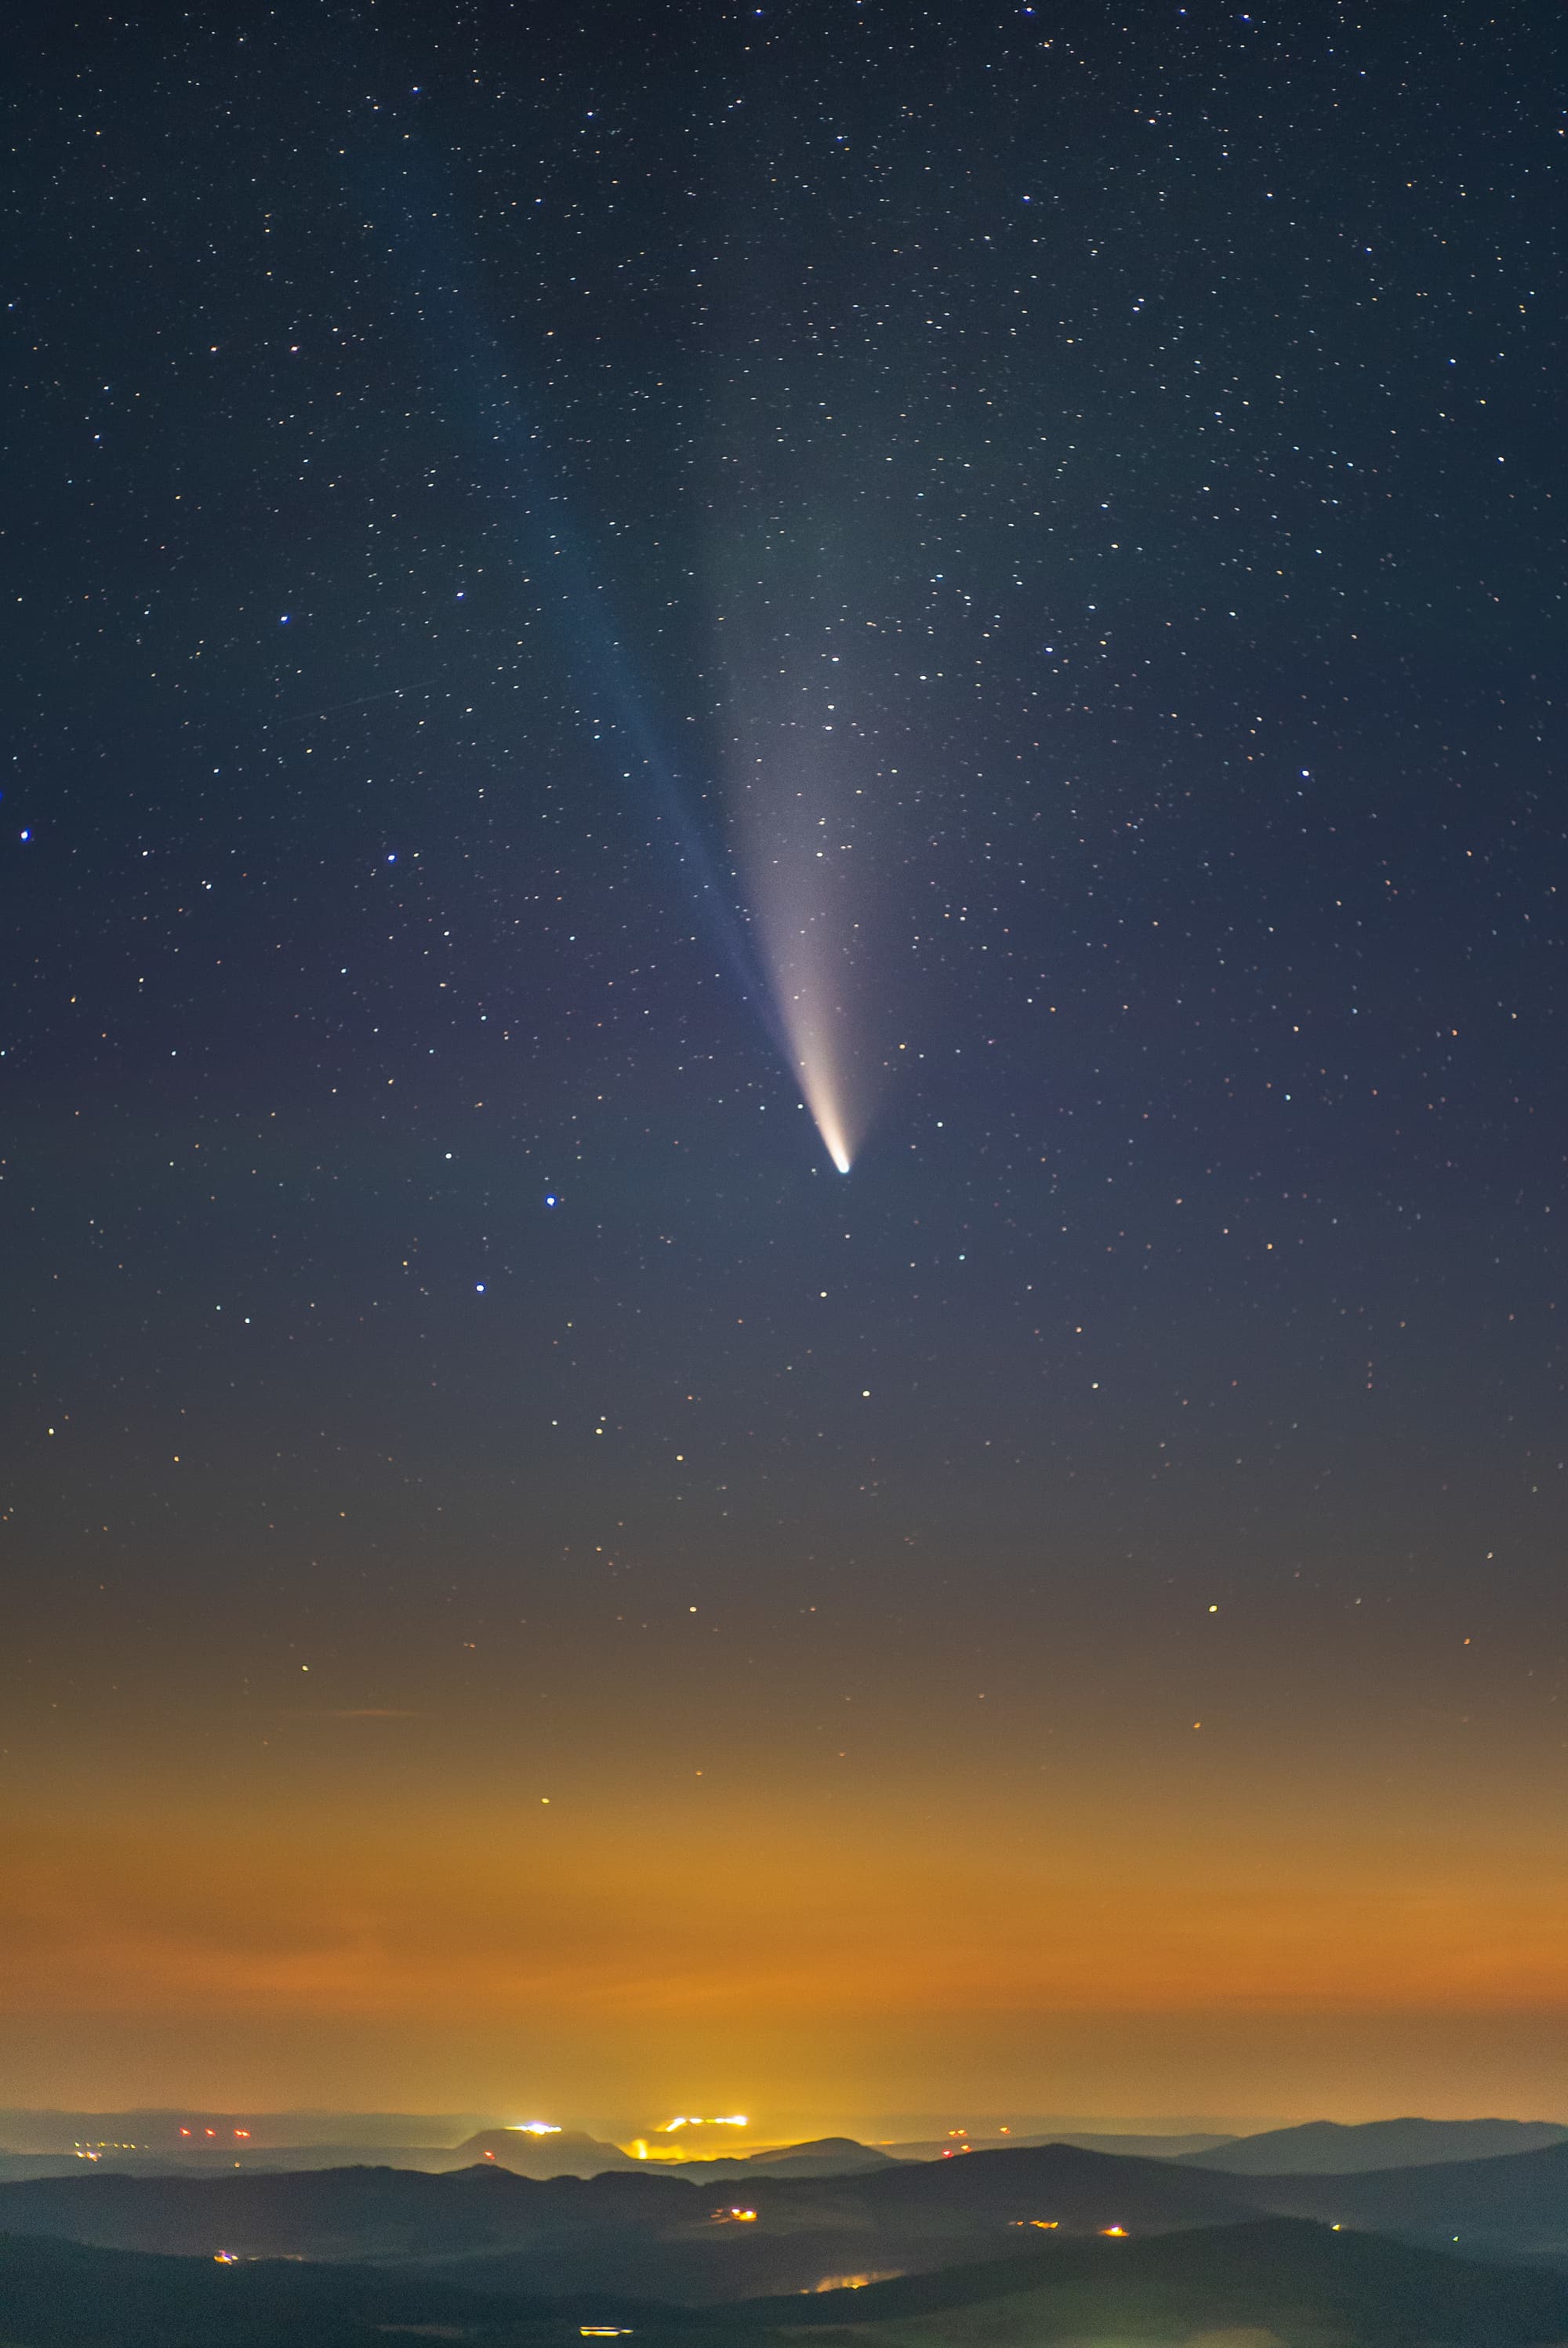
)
(332, 1919)
(210, 1927)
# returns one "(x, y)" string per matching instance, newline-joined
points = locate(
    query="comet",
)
(811, 790)
(796, 847)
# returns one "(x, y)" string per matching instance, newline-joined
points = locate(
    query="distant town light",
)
(532, 2128)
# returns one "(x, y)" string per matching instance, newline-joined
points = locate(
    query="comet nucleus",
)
(797, 845)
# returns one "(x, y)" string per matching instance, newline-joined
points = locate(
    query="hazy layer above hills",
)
(42, 2130)
(155, 2129)
(203, 2161)
(561, 2153)
(44, 2143)
(567, 2154)
(1326, 2148)
(1285, 2284)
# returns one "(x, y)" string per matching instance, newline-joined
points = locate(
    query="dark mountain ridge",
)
(1327, 2149)
(383, 2212)
(651, 2234)
(56, 2294)
(1294, 2279)
(827, 2155)
(566, 2153)
(1511, 2205)
(1293, 2284)
(1080, 2189)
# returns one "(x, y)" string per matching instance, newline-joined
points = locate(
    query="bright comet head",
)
(803, 811)
(819, 1100)
(808, 951)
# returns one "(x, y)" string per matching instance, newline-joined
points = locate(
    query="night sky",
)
(523, 1584)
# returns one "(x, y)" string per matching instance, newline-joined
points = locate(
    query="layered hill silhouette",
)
(646, 2234)
(1143, 2146)
(341, 2213)
(1326, 2148)
(826, 2155)
(1514, 2205)
(1083, 2191)
(1290, 2284)
(1300, 2285)
(58, 2294)
(655, 2235)
(566, 2153)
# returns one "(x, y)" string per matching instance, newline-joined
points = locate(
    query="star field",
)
(1080, 490)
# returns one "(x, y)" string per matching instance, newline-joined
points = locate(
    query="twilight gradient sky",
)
(522, 1585)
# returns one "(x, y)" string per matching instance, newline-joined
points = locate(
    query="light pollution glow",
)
(221, 1944)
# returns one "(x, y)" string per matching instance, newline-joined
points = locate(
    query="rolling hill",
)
(1325, 2148)
(341, 2213)
(566, 2153)
(1509, 2206)
(653, 2235)
(828, 2156)
(56, 2294)
(1144, 2146)
(1273, 2283)
(649, 2235)
(1083, 2191)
